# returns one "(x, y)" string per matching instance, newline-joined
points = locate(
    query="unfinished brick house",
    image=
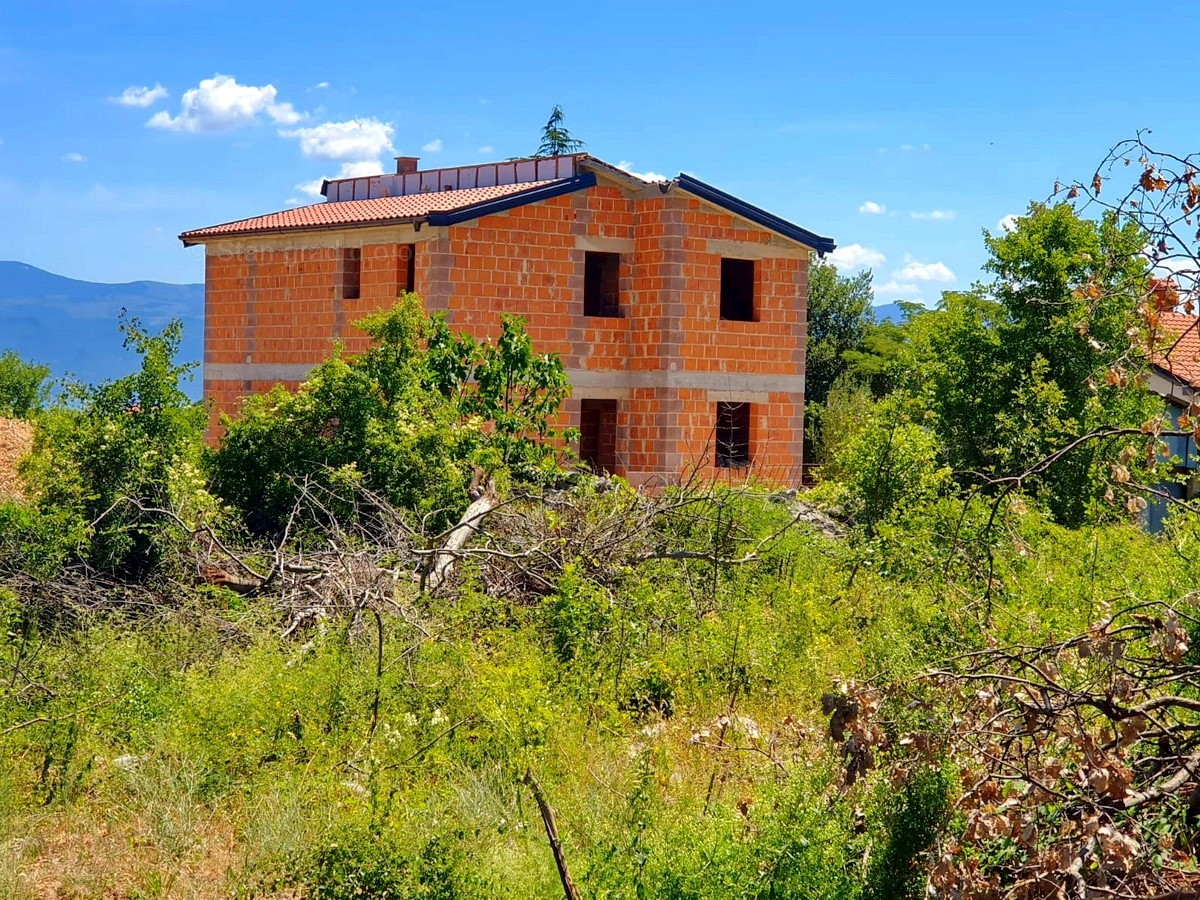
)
(678, 310)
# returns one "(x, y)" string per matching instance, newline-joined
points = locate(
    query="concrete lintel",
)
(728, 382)
(754, 250)
(600, 385)
(738, 397)
(342, 236)
(604, 244)
(257, 371)
(599, 393)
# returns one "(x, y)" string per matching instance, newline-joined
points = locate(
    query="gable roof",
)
(437, 208)
(391, 199)
(755, 214)
(1179, 355)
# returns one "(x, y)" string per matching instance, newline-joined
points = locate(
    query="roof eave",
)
(452, 217)
(191, 239)
(755, 214)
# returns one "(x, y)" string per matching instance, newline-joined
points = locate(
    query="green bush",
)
(893, 466)
(117, 455)
(359, 864)
(912, 819)
(24, 386)
(410, 419)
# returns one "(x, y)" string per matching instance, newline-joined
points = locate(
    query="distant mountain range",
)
(889, 312)
(71, 326)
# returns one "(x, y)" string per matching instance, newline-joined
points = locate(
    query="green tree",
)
(111, 454)
(410, 419)
(879, 357)
(1017, 369)
(556, 139)
(24, 386)
(840, 315)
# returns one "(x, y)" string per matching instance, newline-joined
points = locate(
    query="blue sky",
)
(901, 130)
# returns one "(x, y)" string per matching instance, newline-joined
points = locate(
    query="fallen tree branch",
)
(443, 559)
(569, 889)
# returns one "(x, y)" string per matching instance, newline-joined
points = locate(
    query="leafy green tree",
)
(410, 419)
(112, 454)
(840, 315)
(24, 386)
(556, 139)
(879, 357)
(894, 466)
(1013, 371)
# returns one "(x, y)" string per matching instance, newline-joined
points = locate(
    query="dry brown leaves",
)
(1078, 761)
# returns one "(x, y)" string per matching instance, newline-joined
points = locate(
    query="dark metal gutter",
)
(512, 201)
(767, 220)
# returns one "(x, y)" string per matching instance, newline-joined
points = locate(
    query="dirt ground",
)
(16, 438)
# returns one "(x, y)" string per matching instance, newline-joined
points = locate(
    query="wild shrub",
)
(113, 457)
(913, 817)
(24, 386)
(412, 419)
(894, 467)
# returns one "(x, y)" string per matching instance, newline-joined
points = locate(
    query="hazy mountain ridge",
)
(71, 325)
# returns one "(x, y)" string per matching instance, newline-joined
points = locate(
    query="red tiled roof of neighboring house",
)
(1178, 353)
(380, 210)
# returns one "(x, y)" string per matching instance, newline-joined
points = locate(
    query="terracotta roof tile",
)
(1179, 351)
(361, 212)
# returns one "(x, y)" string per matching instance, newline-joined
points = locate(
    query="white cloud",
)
(434, 146)
(351, 141)
(363, 169)
(896, 287)
(1008, 223)
(856, 256)
(320, 85)
(74, 158)
(487, 150)
(312, 188)
(936, 215)
(871, 208)
(903, 148)
(141, 96)
(295, 201)
(221, 104)
(919, 271)
(625, 166)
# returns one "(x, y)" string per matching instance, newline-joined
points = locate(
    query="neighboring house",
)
(1175, 376)
(678, 310)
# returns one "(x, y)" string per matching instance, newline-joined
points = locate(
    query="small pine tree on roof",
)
(556, 139)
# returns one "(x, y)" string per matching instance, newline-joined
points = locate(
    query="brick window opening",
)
(737, 290)
(407, 276)
(351, 274)
(733, 435)
(598, 434)
(602, 284)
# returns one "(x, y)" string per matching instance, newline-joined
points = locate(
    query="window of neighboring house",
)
(598, 434)
(733, 435)
(737, 290)
(351, 273)
(601, 284)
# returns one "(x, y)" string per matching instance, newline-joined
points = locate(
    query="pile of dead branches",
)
(1079, 760)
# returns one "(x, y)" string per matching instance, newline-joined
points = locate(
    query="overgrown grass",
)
(673, 719)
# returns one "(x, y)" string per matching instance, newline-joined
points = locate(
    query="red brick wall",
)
(283, 307)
